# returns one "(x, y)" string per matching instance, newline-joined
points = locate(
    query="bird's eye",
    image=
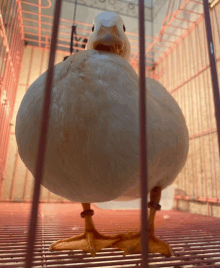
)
(93, 28)
(124, 28)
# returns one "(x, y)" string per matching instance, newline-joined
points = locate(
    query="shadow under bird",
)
(92, 152)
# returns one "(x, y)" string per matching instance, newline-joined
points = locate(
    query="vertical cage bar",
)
(143, 141)
(39, 23)
(20, 20)
(213, 68)
(43, 137)
(27, 174)
(14, 175)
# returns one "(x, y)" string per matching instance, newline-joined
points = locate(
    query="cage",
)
(177, 55)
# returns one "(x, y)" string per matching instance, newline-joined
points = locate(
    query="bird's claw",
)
(93, 252)
(132, 245)
(90, 242)
(132, 249)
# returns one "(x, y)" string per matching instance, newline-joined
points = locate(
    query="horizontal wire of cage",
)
(37, 30)
(194, 238)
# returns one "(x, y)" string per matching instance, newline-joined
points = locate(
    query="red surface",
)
(18, 213)
(194, 238)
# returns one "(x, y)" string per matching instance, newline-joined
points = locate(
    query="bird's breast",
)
(93, 140)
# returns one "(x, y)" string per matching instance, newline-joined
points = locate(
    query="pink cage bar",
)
(11, 51)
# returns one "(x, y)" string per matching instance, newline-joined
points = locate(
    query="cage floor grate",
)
(194, 239)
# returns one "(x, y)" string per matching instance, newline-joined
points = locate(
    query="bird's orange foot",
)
(91, 241)
(132, 245)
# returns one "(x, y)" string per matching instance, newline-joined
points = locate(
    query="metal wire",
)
(211, 49)
(73, 31)
(43, 137)
(143, 141)
(194, 238)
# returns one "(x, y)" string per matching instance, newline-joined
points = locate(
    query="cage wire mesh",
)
(176, 56)
(194, 238)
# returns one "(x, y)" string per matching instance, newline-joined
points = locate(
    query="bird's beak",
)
(108, 40)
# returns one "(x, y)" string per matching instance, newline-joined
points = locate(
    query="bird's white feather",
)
(110, 19)
(93, 141)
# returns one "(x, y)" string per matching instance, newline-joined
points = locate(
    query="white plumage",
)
(93, 141)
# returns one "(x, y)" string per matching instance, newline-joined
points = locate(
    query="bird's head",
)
(108, 34)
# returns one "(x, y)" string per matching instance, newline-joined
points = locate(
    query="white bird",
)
(92, 150)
